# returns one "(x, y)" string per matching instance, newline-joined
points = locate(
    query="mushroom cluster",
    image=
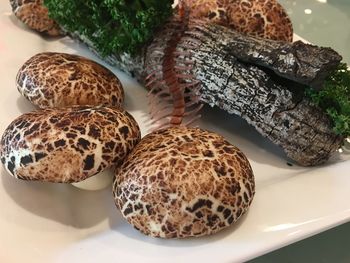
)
(174, 183)
(81, 129)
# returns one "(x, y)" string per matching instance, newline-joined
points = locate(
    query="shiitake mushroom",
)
(183, 182)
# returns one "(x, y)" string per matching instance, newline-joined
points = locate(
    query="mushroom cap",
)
(182, 182)
(52, 79)
(67, 145)
(266, 18)
(36, 16)
(214, 10)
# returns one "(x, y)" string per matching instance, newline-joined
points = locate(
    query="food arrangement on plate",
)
(177, 181)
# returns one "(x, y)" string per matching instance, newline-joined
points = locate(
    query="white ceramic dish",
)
(59, 223)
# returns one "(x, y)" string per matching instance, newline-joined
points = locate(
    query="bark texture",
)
(303, 63)
(240, 75)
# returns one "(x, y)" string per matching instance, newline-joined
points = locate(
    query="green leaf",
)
(113, 26)
(334, 99)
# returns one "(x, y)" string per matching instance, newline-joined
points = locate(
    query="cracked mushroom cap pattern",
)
(52, 79)
(260, 18)
(183, 182)
(67, 145)
(35, 15)
(214, 10)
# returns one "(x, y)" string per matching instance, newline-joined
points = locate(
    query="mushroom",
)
(182, 182)
(36, 16)
(97, 182)
(266, 18)
(69, 144)
(58, 80)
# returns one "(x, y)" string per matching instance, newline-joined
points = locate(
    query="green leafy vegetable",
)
(113, 26)
(334, 99)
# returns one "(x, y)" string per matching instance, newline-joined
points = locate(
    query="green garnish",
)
(334, 99)
(113, 26)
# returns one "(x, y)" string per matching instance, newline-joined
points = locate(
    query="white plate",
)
(59, 223)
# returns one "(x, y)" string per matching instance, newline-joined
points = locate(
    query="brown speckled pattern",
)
(58, 80)
(34, 14)
(215, 10)
(260, 18)
(183, 182)
(67, 145)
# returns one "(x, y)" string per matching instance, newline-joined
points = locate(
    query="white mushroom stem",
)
(97, 182)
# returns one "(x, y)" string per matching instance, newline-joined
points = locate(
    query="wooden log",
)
(238, 80)
(303, 63)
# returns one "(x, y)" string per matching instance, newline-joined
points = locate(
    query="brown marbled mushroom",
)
(35, 15)
(214, 10)
(260, 18)
(58, 80)
(68, 144)
(183, 182)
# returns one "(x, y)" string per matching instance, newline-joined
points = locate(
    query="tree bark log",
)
(239, 74)
(303, 63)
